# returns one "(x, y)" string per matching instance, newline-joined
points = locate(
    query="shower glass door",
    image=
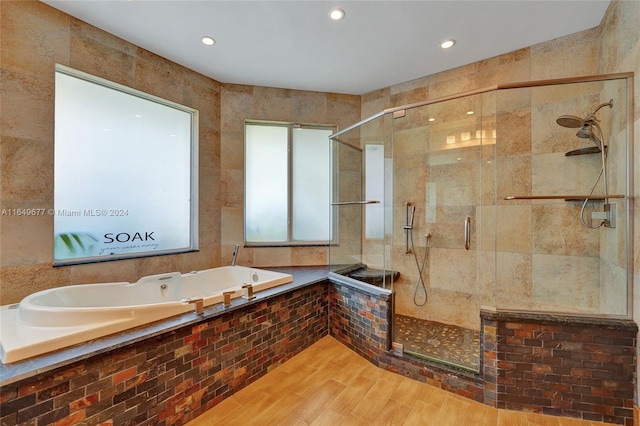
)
(443, 198)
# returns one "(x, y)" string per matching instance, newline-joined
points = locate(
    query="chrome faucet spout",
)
(235, 255)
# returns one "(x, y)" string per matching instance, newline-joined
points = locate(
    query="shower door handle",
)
(467, 233)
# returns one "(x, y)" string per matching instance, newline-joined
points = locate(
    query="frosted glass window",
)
(287, 188)
(125, 172)
(266, 193)
(374, 190)
(311, 184)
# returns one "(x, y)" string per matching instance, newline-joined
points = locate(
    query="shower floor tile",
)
(445, 342)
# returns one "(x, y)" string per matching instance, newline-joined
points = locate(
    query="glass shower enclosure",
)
(489, 199)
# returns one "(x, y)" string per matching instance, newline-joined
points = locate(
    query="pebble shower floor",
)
(445, 342)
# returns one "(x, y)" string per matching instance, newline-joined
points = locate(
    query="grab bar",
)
(562, 197)
(467, 233)
(348, 203)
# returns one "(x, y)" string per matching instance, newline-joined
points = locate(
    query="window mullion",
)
(290, 184)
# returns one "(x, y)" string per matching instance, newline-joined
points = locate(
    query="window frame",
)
(291, 127)
(193, 171)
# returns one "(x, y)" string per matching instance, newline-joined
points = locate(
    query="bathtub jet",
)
(64, 316)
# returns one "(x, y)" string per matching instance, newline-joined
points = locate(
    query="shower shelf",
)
(584, 151)
(562, 197)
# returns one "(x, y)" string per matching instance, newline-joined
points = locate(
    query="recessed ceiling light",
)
(208, 41)
(470, 112)
(432, 119)
(447, 44)
(336, 14)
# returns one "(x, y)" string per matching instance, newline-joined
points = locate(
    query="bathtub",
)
(64, 316)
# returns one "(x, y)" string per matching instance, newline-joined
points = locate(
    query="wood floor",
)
(328, 384)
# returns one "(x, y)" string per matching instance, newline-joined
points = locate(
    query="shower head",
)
(573, 122)
(570, 121)
(586, 131)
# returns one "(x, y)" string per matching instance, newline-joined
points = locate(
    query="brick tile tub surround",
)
(175, 376)
(572, 366)
(562, 365)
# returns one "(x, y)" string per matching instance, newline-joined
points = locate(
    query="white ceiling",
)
(293, 44)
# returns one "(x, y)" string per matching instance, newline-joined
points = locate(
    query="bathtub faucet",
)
(198, 308)
(249, 294)
(235, 255)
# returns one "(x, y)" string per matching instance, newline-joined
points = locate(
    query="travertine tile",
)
(308, 107)
(513, 281)
(565, 283)
(514, 228)
(556, 174)
(273, 256)
(166, 81)
(30, 238)
(33, 38)
(271, 104)
(559, 231)
(27, 173)
(101, 55)
(232, 188)
(515, 132)
(303, 256)
(342, 110)
(613, 292)
(21, 280)
(513, 177)
(27, 103)
(570, 56)
(453, 270)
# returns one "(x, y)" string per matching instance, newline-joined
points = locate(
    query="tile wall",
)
(35, 37)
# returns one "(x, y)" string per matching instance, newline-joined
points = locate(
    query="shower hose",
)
(420, 288)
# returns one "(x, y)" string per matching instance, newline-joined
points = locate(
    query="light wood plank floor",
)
(328, 384)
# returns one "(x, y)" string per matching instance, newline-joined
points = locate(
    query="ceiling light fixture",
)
(336, 14)
(208, 41)
(447, 44)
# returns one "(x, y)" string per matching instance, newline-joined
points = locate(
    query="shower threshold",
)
(434, 341)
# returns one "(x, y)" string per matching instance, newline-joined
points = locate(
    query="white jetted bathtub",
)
(59, 317)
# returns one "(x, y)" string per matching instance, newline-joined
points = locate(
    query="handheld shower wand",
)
(410, 212)
(421, 287)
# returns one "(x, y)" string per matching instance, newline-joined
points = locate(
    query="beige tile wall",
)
(242, 103)
(34, 38)
(620, 52)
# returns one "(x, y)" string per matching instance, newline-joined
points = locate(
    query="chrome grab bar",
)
(467, 233)
(562, 197)
(348, 203)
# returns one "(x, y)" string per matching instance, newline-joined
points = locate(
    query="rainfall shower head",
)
(570, 121)
(573, 122)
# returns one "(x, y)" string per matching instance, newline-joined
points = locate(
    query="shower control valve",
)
(608, 216)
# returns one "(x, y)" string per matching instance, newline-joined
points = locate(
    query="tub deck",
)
(57, 318)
